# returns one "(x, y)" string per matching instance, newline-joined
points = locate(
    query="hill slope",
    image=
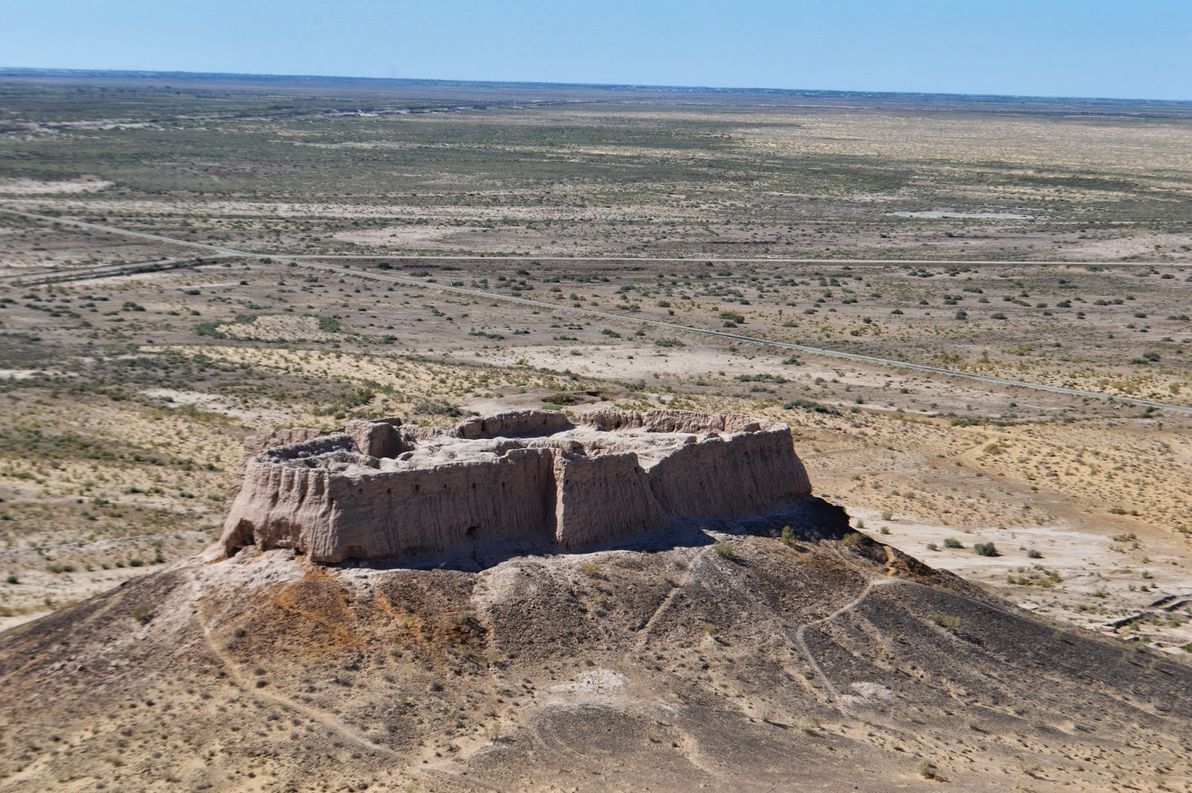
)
(714, 661)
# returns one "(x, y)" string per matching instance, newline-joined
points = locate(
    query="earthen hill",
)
(386, 490)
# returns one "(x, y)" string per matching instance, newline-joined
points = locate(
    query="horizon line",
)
(46, 70)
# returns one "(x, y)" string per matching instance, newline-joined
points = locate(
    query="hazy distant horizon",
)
(17, 71)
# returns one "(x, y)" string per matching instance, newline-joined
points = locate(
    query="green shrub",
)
(985, 549)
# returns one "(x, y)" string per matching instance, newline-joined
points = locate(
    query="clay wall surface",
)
(424, 512)
(514, 424)
(260, 441)
(731, 476)
(599, 499)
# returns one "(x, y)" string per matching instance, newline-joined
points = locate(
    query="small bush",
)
(985, 549)
(724, 549)
(952, 542)
(950, 621)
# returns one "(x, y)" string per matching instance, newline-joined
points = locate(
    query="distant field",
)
(1036, 240)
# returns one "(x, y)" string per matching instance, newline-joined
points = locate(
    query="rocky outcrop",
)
(381, 490)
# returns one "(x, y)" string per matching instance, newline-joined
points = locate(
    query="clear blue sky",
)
(1110, 48)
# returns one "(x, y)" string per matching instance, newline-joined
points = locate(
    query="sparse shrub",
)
(928, 770)
(807, 404)
(431, 408)
(950, 621)
(854, 539)
(952, 542)
(1034, 554)
(724, 549)
(985, 549)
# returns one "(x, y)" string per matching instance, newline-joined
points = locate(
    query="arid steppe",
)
(973, 313)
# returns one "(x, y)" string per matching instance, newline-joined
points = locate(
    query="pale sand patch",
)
(408, 236)
(1123, 247)
(278, 327)
(20, 374)
(1098, 568)
(215, 404)
(25, 186)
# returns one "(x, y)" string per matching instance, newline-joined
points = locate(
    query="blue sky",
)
(1109, 48)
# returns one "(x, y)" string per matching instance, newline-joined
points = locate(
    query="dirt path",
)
(847, 607)
(329, 722)
(671, 326)
(643, 635)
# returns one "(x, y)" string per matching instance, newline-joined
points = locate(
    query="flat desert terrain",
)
(974, 313)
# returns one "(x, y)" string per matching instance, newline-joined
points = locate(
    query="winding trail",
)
(643, 634)
(847, 607)
(874, 360)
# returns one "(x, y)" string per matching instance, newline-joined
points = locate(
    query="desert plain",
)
(973, 312)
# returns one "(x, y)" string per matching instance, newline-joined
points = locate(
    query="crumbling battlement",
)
(385, 490)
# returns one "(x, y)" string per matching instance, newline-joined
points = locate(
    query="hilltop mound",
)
(761, 653)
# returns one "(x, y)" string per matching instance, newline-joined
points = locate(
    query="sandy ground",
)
(32, 187)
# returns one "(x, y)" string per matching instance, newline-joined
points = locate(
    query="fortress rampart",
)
(385, 490)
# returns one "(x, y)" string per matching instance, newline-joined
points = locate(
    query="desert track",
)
(223, 250)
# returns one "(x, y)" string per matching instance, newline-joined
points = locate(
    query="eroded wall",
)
(331, 497)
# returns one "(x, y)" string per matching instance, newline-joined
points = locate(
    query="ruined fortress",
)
(386, 490)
